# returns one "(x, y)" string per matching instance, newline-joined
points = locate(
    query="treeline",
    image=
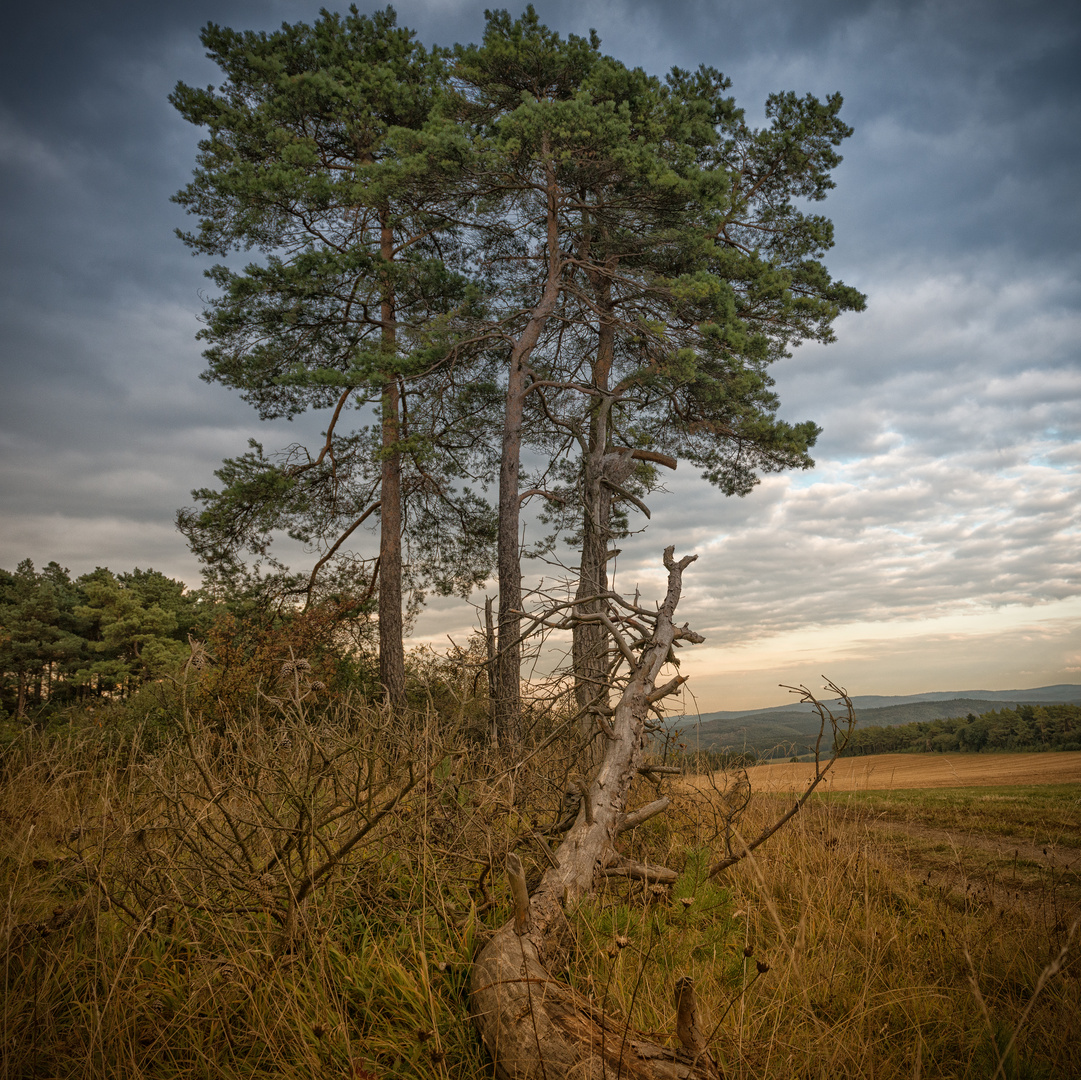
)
(67, 641)
(64, 640)
(1026, 727)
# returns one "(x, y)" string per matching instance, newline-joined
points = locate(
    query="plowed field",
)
(879, 772)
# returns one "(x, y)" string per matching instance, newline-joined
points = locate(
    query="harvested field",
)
(1008, 825)
(886, 772)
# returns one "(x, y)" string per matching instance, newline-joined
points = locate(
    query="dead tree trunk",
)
(536, 1027)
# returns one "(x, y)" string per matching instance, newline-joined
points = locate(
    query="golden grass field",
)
(897, 772)
(921, 917)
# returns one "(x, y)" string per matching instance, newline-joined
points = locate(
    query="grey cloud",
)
(947, 475)
(914, 542)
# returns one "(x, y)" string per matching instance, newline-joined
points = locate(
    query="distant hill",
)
(788, 729)
(1062, 692)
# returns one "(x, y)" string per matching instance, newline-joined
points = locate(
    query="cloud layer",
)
(947, 482)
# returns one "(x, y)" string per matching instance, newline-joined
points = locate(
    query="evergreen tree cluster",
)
(101, 635)
(517, 272)
(1025, 727)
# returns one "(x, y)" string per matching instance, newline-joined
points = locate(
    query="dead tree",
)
(535, 1026)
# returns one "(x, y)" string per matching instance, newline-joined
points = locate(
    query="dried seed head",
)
(686, 901)
(748, 951)
(424, 1034)
(318, 1030)
(762, 966)
(200, 658)
(621, 941)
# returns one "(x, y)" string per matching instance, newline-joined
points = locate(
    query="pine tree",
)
(651, 264)
(324, 152)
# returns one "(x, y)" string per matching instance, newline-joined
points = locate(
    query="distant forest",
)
(99, 637)
(1026, 727)
(65, 640)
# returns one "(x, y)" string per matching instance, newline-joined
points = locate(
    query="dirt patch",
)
(892, 772)
(1002, 847)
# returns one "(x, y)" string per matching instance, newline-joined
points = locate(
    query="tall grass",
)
(821, 956)
(299, 890)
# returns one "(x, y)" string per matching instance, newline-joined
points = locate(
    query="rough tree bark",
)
(589, 641)
(605, 469)
(536, 1027)
(508, 703)
(391, 645)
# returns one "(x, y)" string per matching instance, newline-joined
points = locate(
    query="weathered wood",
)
(658, 875)
(519, 893)
(643, 814)
(689, 1023)
(535, 1026)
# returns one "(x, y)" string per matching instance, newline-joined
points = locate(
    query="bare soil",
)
(892, 772)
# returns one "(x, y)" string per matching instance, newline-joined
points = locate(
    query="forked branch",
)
(841, 728)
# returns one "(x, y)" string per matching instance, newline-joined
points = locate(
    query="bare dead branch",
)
(623, 493)
(655, 457)
(841, 735)
(535, 1036)
(519, 893)
(643, 814)
(659, 875)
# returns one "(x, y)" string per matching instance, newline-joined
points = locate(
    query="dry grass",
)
(872, 970)
(138, 940)
(287, 893)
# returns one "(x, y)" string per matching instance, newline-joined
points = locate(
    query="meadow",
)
(298, 891)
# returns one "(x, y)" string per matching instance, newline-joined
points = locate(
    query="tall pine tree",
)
(648, 263)
(323, 152)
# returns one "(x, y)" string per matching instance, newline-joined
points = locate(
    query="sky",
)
(936, 545)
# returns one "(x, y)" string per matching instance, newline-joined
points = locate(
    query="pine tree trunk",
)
(391, 646)
(589, 648)
(508, 703)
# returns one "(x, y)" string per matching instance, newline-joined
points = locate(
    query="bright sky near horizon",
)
(936, 545)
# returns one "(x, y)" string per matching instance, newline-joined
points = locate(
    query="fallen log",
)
(535, 1026)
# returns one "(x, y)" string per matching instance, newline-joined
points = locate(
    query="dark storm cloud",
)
(947, 475)
(962, 110)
